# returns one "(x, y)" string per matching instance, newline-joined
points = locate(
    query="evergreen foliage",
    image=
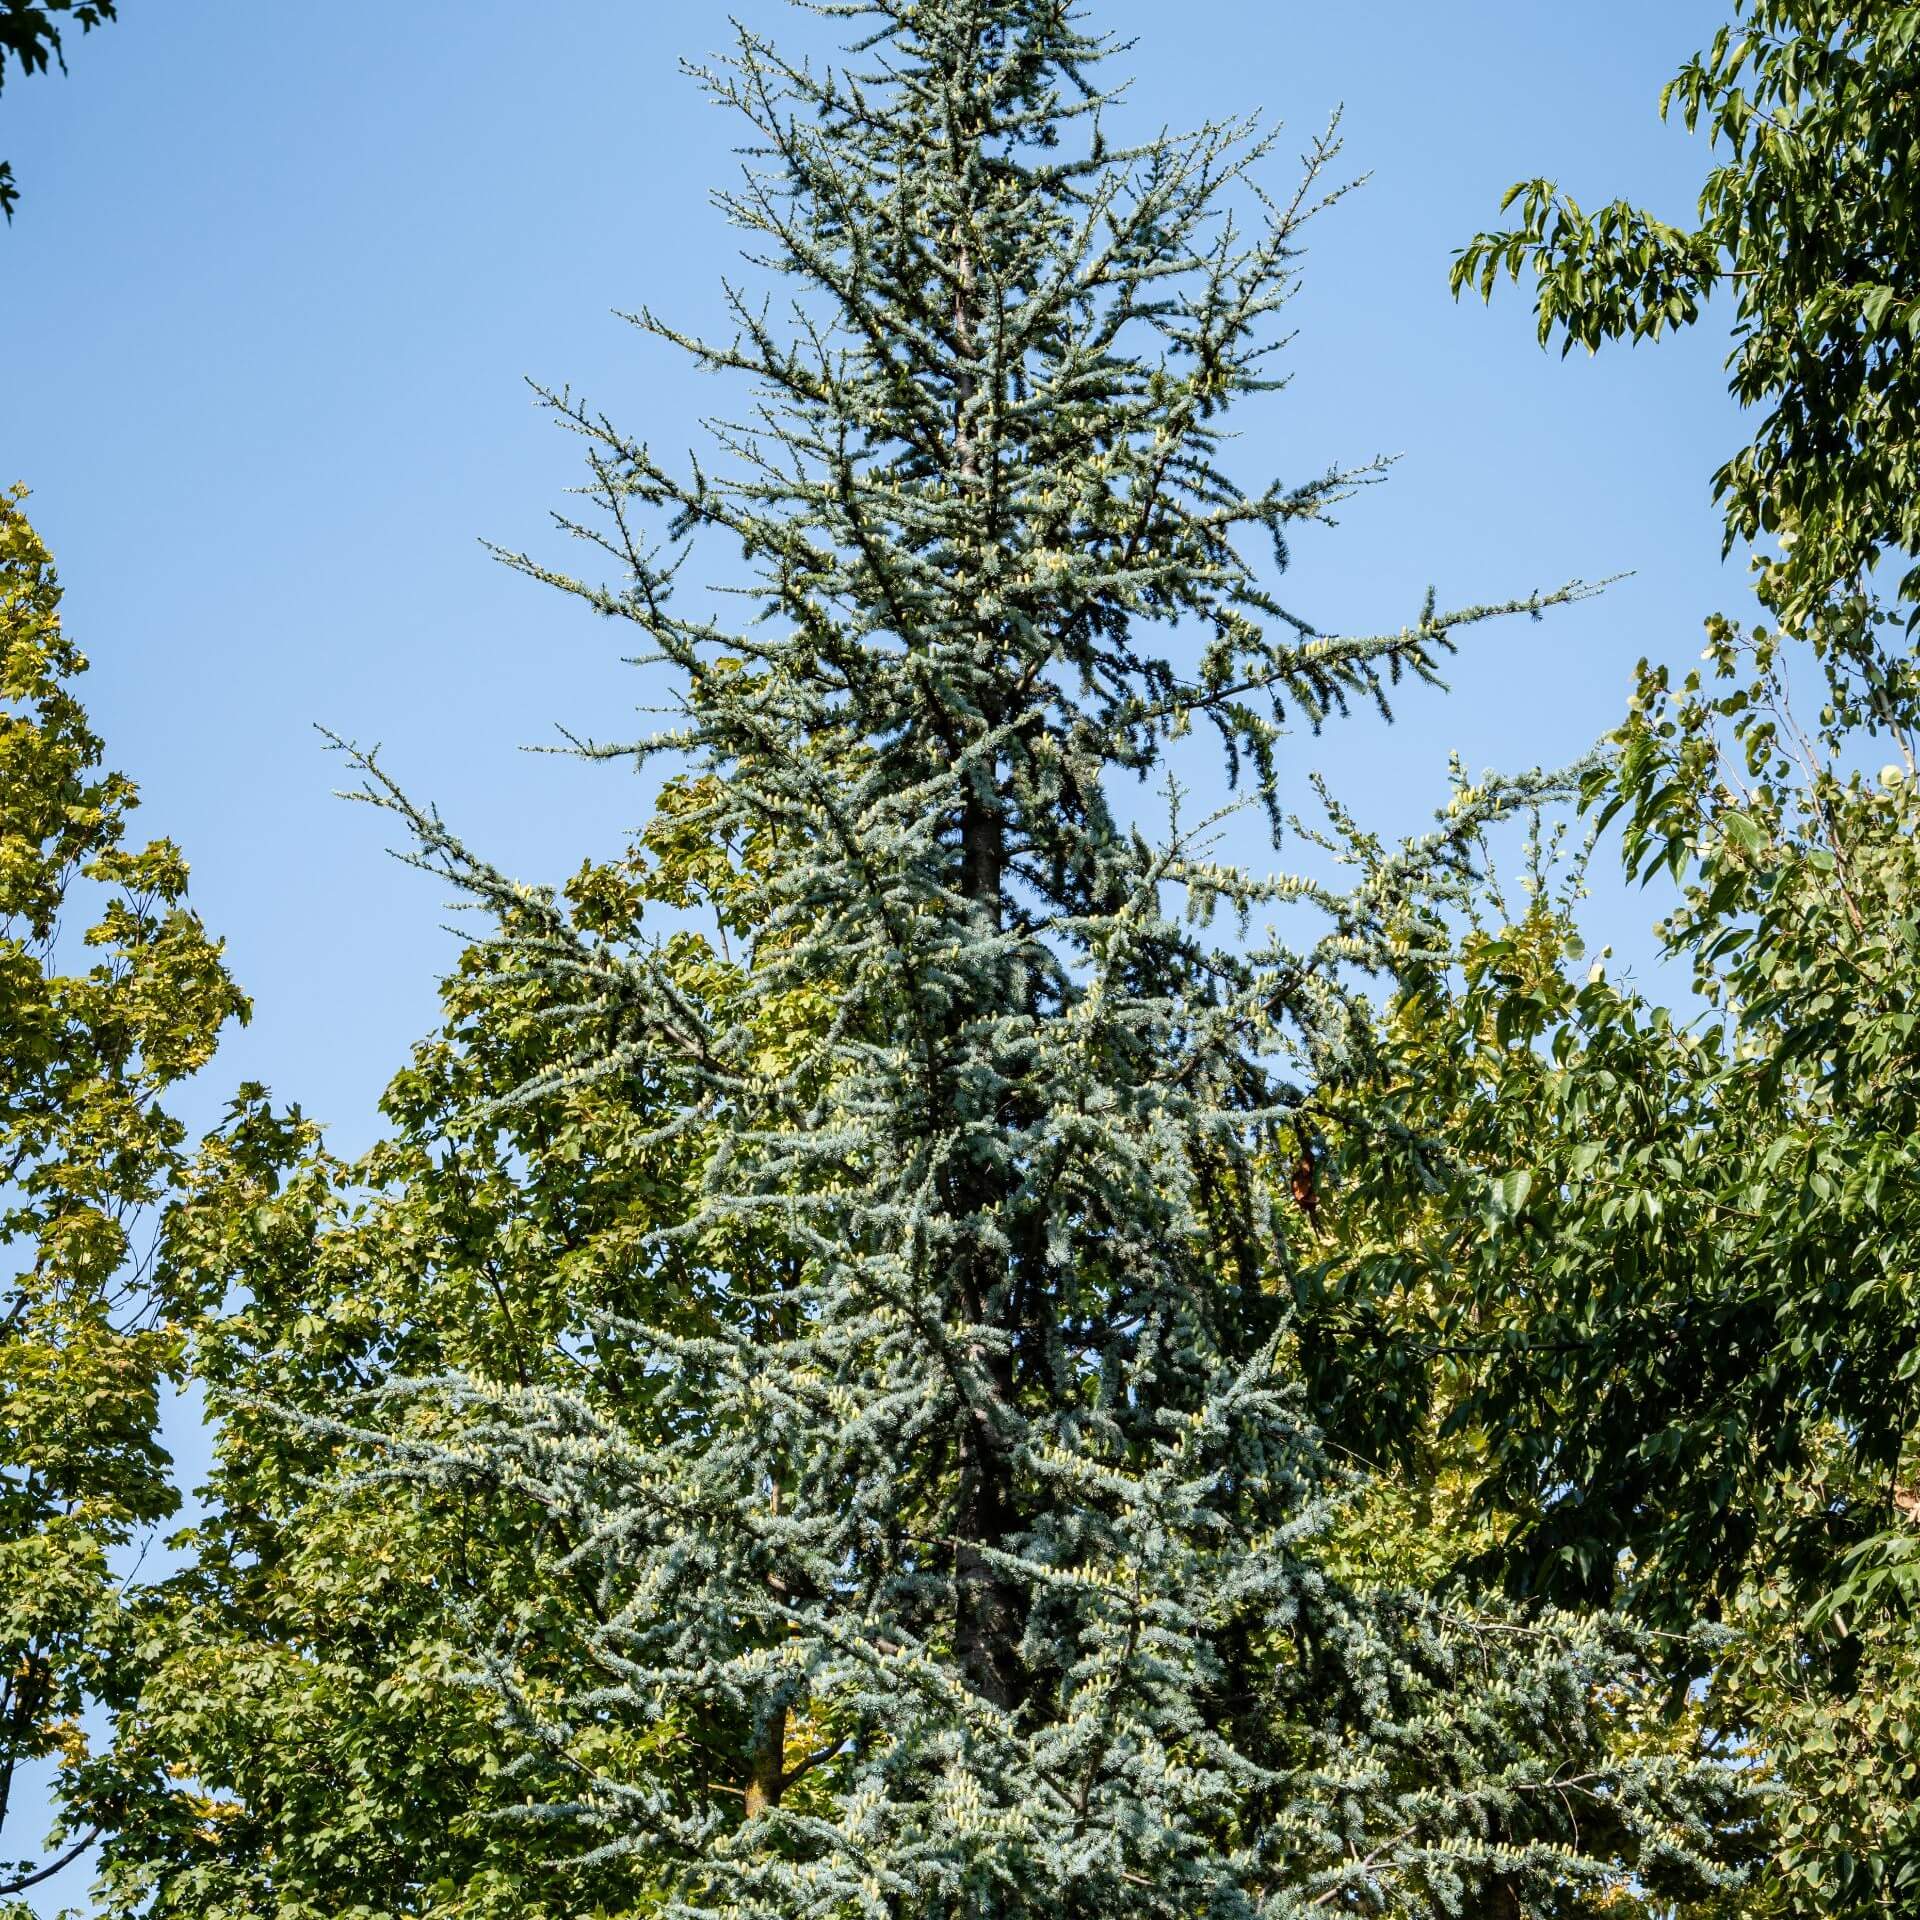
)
(967, 1496)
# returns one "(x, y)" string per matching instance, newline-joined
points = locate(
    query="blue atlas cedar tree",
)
(978, 1538)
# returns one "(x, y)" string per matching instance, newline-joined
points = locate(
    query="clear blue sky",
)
(279, 271)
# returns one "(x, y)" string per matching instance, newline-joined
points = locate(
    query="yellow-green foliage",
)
(110, 993)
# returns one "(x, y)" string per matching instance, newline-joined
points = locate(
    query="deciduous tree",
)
(111, 993)
(33, 37)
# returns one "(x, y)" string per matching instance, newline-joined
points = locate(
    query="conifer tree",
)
(977, 1540)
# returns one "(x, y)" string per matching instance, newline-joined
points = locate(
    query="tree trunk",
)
(767, 1765)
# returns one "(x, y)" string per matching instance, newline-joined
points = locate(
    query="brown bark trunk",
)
(767, 1762)
(989, 1613)
(767, 1767)
(991, 1616)
(990, 1621)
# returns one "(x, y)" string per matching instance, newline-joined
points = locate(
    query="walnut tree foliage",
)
(1776, 783)
(962, 1495)
(33, 38)
(1808, 226)
(1641, 1284)
(111, 993)
(1664, 1260)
